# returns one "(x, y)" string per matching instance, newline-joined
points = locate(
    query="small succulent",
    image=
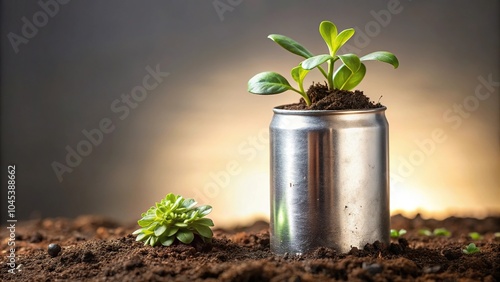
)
(475, 236)
(396, 234)
(174, 218)
(471, 249)
(350, 73)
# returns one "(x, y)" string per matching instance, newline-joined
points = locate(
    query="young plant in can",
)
(347, 76)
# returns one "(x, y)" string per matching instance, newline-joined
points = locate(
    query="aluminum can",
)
(329, 179)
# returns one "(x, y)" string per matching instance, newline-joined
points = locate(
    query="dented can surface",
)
(329, 179)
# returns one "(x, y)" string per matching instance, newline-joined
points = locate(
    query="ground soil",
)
(98, 249)
(323, 98)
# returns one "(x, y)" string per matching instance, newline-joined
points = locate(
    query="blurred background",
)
(107, 106)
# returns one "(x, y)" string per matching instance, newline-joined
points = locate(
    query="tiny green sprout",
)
(396, 234)
(174, 218)
(475, 236)
(442, 232)
(471, 249)
(436, 232)
(347, 76)
(425, 232)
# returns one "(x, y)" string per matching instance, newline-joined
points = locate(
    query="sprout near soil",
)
(174, 217)
(397, 233)
(475, 236)
(471, 249)
(346, 77)
(436, 232)
(442, 232)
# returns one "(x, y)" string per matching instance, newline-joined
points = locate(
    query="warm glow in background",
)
(200, 134)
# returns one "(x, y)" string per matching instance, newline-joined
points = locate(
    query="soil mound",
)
(323, 98)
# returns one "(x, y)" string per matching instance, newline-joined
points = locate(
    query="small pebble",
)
(431, 269)
(372, 269)
(54, 250)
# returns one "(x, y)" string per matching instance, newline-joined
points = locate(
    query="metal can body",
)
(329, 179)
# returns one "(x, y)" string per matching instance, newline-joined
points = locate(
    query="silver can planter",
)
(329, 179)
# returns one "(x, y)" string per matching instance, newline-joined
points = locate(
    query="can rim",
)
(279, 110)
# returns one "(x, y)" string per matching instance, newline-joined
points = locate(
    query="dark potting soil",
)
(97, 249)
(323, 98)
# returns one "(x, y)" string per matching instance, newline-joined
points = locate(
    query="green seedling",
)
(425, 232)
(442, 232)
(471, 249)
(174, 218)
(475, 236)
(436, 232)
(347, 76)
(396, 234)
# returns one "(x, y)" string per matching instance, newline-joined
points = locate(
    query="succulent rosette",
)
(174, 218)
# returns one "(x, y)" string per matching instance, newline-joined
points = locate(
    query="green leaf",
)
(152, 226)
(142, 236)
(153, 240)
(167, 241)
(137, 231)
(146, 220)
(268, 83)
(160, 230)
(205, 221)
(311, 63)
(171, 198)
(189, 204)
(471, 249)
(171, 231)
(163, 209)
(181, 224)
(299, 73)
(475, 236)
(185, 236)
(203, 230)
(442, 232)
(382, 56)
(329, 32)
(345, 79)
(178, 202)
(296, 73)
(341, 39)
(158, 213)
(204, 210)
(351, 61)
(425, 232)
(290, 45)
(394, 233)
